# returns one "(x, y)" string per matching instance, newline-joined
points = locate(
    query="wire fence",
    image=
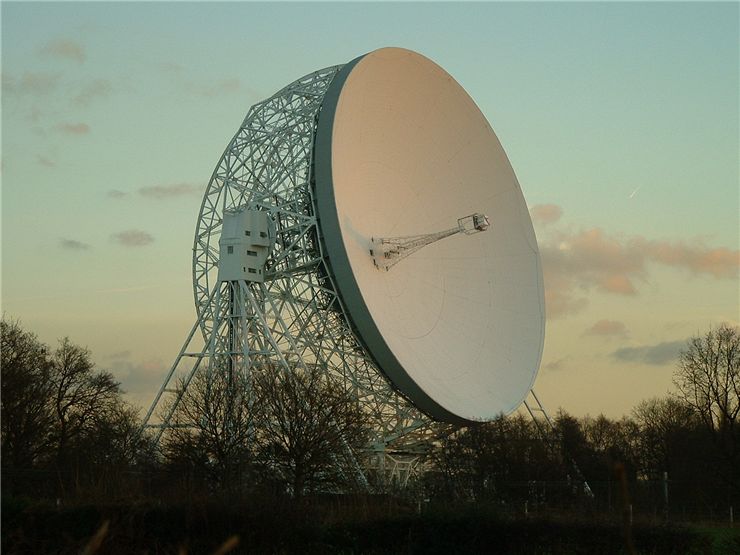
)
(645, 500)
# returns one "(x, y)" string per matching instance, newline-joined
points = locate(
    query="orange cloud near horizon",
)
(74, 128)
(545, 214)
(592, 259)
(65, 49)
(607, 328)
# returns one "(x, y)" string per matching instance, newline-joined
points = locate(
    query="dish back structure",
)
(294, 316)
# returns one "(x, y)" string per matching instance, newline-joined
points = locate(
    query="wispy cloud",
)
(697, 258)
(132, 238)
(560, 300)
(100, 88)
(140, 380)
(45, 162)
(73, 244)
(556, 365)
(115, 193)
(65, 49)
(216, 88)
(607, 328)
(177, 75)
(73, 128)
(658, 354)
(545, 214)
(161, 192)
(592, 259)
(31, 83)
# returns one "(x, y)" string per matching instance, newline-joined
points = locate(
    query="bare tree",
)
(81, 396)
(664, 425)
(213, 426)
(482, 461)
(611, 442)
(309, 427)
(708, 380)
(26, 413)
(57, 409)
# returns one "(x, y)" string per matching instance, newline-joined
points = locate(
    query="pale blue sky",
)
(624, 115)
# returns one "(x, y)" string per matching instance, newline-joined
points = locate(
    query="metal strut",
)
(239, 318)
(173, 389)
(546, 429)
(268, 167)
(389, 251)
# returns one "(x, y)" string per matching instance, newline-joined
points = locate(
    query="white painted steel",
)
(463, 318)
(244, 245)
(295, 318)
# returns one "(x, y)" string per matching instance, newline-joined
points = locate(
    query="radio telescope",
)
(366, 219)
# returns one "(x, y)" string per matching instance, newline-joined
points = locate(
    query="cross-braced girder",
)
(296, 316)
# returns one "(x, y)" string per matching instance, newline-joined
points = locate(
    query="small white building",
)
(244, 245)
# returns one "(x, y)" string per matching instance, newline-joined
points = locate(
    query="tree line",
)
(681, 451)
(68, 433)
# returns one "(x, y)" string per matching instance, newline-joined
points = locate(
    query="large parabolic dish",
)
(402, 150)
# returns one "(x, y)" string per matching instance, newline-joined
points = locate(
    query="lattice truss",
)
(296, 317)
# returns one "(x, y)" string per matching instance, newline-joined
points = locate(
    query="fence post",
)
(665, 493)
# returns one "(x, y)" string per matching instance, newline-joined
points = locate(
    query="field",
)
(328, 524)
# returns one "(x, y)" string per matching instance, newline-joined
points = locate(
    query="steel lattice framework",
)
(296, 317)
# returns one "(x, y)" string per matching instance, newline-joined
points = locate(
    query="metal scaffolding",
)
(296, 317)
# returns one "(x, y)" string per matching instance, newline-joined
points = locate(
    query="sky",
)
(620, 120)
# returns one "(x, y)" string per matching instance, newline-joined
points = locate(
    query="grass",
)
(723, 539)
(360, 525)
